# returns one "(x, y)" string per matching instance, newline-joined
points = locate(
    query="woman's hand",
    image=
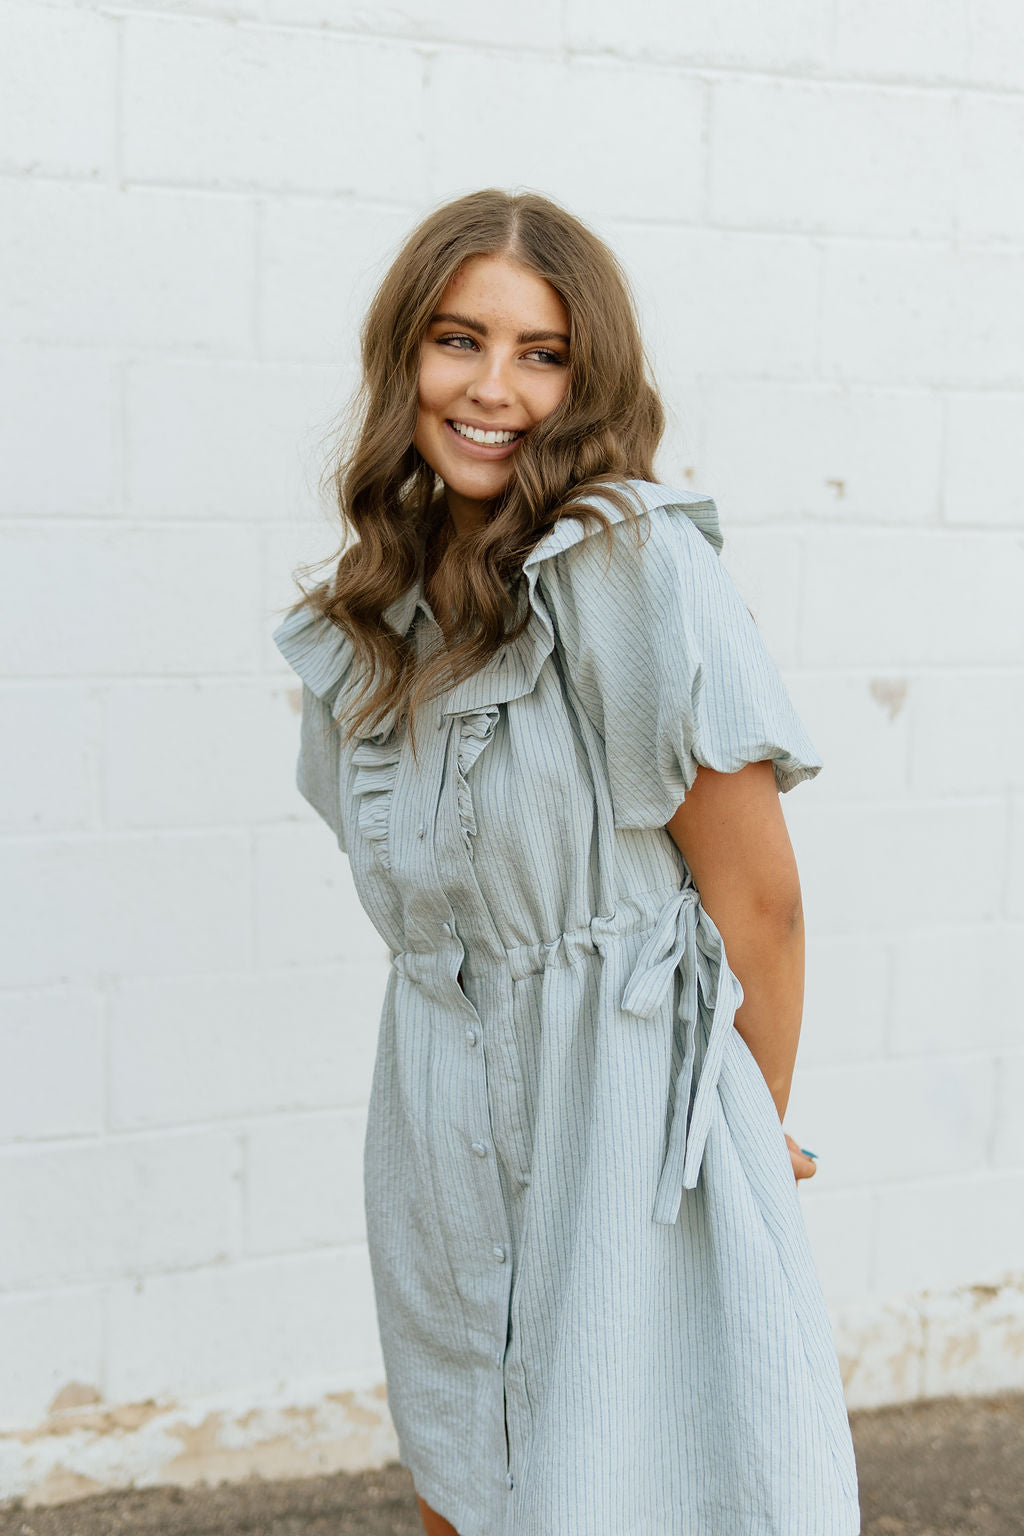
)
(804, 1167)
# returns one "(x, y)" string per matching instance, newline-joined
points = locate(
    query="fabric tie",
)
(685, 938)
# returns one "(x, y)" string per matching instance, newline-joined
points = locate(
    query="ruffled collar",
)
(322, 653)
(513, 670)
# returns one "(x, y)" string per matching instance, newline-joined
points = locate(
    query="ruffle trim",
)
(475, 731)
(322, 656)
(376, 761)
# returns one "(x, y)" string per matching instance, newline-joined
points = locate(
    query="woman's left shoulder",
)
(666, 513)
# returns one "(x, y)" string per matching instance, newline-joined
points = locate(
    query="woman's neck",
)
(466, 515)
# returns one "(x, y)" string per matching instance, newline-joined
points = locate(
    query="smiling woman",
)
(486, 378)
(499, 314)
(598, 1305)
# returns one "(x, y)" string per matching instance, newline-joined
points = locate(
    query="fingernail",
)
(808, 1153)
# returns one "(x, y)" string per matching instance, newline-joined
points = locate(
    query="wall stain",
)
(890, 692)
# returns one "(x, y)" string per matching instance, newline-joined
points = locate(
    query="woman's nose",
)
(491, 383)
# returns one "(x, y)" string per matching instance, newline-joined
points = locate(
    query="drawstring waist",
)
(684, 938)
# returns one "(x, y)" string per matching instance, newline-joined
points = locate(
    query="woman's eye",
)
(549, 357)
(448, 340)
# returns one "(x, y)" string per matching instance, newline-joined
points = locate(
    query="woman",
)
(546, 731)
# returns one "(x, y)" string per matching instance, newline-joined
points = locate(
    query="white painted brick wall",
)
(819, 207)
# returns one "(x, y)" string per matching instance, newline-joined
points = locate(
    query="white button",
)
(499, 1253)
(421, 831)
(446, 928)
(479, 1149)
(524, 1178)
(497, 1362)
(471, 1035)
(508, 1479)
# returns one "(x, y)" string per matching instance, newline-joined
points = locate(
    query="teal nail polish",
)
(808, 1153)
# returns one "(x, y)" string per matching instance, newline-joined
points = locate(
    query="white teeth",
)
(478, 435)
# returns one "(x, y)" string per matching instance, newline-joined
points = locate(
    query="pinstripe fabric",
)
(598, 1306)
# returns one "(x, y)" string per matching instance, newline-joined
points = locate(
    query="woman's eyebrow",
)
(477, 325)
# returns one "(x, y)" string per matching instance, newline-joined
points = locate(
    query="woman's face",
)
(494, 361)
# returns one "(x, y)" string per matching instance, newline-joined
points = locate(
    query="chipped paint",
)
(890, 692)
(963, 1342)
(90, 1448)
(74, 1395)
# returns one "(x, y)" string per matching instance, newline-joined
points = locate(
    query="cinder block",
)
(57, 90)
(164, 754)
(304, 1183)
(907, 312)
(645, 156)
(51, 1063)
(890, 873)
(791, 36)
(845, 999)
(991, 145)
(130, 601)
(253, 433)
(105, 1209)
(126, 267)
(328, 925)
(535, 24)
(957, 987)
(1008, 1138)
(895, 599)
(730, 303)
(841, 159)
(320, 263)
(50, 1344)
(995, 54)
(949, 1231)
(915, 40)
(37, 385)
(967, 733)
(861, 727)
(228, 105)
(765, 567)
(195, 1048)
(841, 1229)
(84, 909)
(836, 455)
(879, 1122)
(50, 783)
(306, 1320)
(983, 486)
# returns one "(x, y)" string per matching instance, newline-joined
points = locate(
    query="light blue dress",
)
(598, 1306)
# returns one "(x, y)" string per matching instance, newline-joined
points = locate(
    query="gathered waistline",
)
(680, 936)
(633, 915)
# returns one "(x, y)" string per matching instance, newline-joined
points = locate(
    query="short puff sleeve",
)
(669, 665)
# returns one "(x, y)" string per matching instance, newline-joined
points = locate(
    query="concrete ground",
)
(949, 1467)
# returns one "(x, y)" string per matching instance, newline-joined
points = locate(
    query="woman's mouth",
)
(483, 442)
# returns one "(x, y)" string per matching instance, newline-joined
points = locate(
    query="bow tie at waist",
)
(685, 938)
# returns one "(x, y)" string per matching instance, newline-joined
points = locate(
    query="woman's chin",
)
(479, 486)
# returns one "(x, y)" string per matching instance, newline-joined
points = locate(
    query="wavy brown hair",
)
(607, 428)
